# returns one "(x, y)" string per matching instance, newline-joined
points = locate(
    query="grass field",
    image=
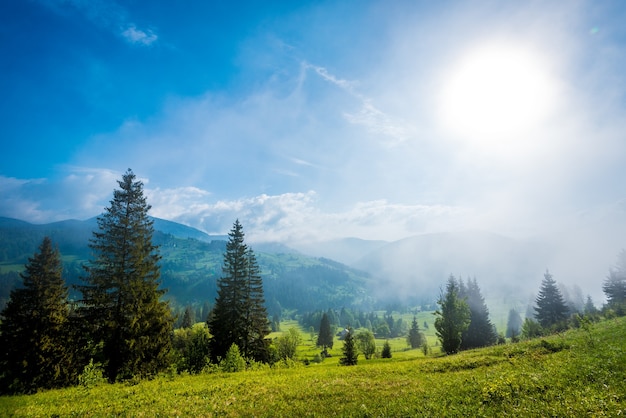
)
(579, 373)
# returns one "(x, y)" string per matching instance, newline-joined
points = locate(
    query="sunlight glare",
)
(495, 94)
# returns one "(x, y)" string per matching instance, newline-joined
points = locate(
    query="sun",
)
(495, 93)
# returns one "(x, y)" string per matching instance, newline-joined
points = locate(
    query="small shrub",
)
(233, 362)
(91, 375)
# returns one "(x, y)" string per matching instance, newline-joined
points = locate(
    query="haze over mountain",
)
(409, 271)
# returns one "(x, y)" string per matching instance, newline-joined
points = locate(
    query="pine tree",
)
(325, 337)
(386, 352)
(239, 315)
(415, 337)
(453, 317)
(350, 353)
(614, 286)
(34, 351)
(513, 324)
(188, 318)
(121, 298)
(551, 310)
(480, 332)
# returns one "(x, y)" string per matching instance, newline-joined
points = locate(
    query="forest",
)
(122, 328)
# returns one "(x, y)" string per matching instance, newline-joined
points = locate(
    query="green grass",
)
(578, 373)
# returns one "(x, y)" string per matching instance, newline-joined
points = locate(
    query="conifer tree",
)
(513, 324)
(480, 332)
(350, 353)
(415, 337)
(34, 348)
(386, 351)
(325, 337)
(453, 317)
(551, 310)
(188, 318)
(614, 286)
(121, 298)
(239, 315)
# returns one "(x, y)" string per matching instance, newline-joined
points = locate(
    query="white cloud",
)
(106, 14)
(137, 36)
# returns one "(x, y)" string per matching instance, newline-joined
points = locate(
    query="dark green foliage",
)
(513, 324)
(550, 308)
(415, 337)
(35, 351)
(480, 332)
(191, 348)
(121, 298)
(239, 316)
(452, 317)
(386, 352)
(325, 337)
(350, 353)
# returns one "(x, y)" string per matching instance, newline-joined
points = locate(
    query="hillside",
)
(191, 264)
(577, 373)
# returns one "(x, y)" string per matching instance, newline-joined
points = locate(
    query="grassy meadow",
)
(578, 373)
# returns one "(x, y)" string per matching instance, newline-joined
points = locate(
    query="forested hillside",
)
(191, 264)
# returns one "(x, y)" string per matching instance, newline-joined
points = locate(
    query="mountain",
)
(346, 250)
(191, 264)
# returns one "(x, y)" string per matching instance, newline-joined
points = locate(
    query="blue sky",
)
(315, 120)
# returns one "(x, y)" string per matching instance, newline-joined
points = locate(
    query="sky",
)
(319, 120)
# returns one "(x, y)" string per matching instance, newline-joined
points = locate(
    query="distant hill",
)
(191, 264)
(420, 265)
(346, 250)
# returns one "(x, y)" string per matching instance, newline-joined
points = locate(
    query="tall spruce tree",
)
(350, 352)
(480, 332)
(452, 317)
(513, 324)
(550, 308)
(34, 348)
(325, 337)
(239, 315)
(121, 298)
(415, 338)
(614, 286)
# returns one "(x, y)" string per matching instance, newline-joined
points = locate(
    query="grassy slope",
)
(578, 373)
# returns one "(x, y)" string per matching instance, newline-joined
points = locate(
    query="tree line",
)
(121, 323)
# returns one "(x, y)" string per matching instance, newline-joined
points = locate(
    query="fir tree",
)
(239, 315)
(325, 337)
(386, 352)
(121, 298)
(614, 286)
(188, 318)
(513, 324)
(551, 310)
(350, 352)
(453, 317)
(415, 337)
(480, 332)
(34, 348)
